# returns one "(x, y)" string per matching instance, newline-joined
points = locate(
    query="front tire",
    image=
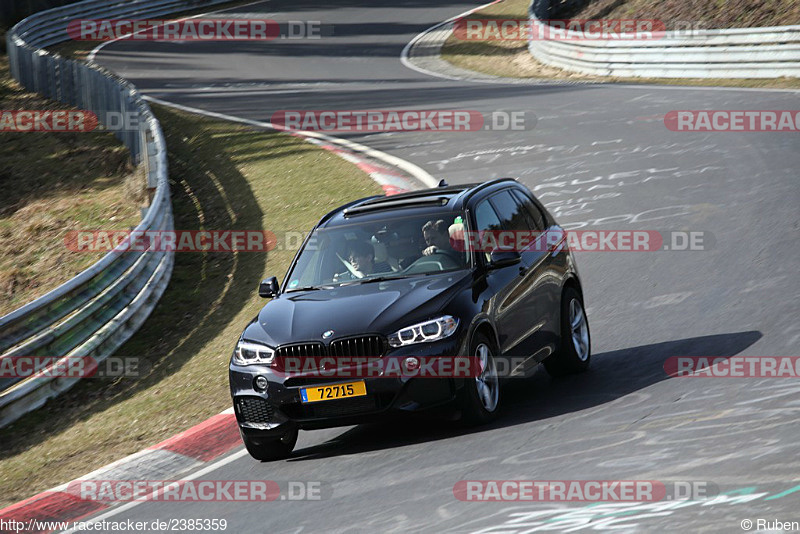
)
(270, 449)
(576, 346)
(481, 398)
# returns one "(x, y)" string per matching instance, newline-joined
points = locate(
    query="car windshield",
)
(394, 247)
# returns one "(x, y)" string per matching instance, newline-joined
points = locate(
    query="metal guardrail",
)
(94, 313)
(727, 53)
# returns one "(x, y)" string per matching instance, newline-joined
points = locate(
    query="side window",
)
(486, 218)
(535, 216)
(510, 211)
(486, 221)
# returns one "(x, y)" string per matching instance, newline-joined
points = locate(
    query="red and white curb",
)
(390, 181)
(393, 174)
(186, 451)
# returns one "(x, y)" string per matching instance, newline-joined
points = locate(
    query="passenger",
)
(437, 237)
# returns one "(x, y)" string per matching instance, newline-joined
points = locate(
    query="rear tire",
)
(481, 396)
(576, 345)
(270, 449)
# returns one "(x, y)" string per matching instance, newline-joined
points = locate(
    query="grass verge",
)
(52, 183)
(223, 176)
(511, 59)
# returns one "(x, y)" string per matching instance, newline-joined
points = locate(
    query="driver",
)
(437, 237)
(361, 256)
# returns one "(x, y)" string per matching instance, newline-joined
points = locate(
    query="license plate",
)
(333, 391)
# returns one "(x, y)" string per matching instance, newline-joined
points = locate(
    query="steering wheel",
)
(445, 254)
(439, 258)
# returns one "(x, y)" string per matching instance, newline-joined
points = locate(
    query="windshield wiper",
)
(307, 288)
(377, 279)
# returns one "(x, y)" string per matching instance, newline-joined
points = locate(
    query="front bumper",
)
(278, 408)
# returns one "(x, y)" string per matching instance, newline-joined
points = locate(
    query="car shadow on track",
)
(612, 375)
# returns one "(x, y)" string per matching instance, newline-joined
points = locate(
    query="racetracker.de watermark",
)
(558, 30)
(577, 240)
(408, 120)
(171, 240)
(47, 120)
(196, 490)
(581, 240)
(197, 29)
(387, 366)
(58, 120)
(582, 490)
(733, 366)
(730, 120)
(72, 367)
(483, 241)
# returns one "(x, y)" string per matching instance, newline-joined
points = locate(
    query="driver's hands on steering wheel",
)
(347, 276)
(430, 250)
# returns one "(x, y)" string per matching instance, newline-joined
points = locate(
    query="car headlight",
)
(248, 353)
(432, 330)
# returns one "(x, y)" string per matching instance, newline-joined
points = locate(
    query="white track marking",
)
(407, 62)
(197, 474)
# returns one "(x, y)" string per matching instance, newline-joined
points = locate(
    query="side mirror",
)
(503, 258)
(268, 288)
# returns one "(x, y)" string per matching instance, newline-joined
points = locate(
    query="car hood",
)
(378, 307)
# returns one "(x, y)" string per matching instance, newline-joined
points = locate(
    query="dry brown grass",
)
(51, 183)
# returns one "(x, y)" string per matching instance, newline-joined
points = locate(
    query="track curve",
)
(600, 157)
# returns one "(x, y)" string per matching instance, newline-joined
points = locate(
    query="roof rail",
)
(344, 208)
(393, 204)
(419, 193)
(484, 185)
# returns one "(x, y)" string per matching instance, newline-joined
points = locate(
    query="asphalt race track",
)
(600, 157)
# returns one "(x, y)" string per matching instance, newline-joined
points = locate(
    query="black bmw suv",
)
(480, 272)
